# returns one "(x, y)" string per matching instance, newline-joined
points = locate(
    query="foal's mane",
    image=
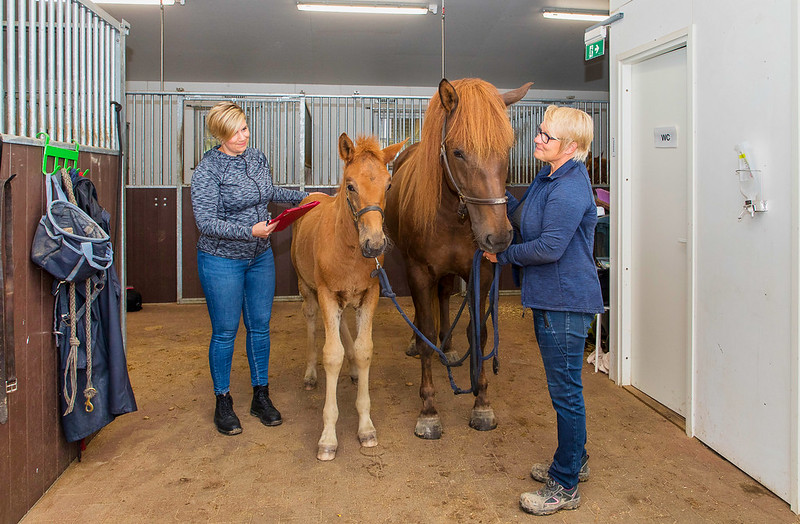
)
(480, 125)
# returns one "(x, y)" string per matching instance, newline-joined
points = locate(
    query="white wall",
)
(744, 329)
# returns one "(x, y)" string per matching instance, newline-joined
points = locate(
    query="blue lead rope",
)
(476, 356)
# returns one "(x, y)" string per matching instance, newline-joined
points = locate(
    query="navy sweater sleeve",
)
(561, 217)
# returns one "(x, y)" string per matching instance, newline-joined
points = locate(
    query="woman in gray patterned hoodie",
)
(231, 188)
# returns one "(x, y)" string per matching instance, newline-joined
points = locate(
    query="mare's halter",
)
(463, 199)
(366, 209)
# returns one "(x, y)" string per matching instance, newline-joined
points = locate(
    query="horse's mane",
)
(479, 125)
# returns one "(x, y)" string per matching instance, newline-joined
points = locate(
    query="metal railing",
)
(63, 65)
(299, 133)
(526, 115)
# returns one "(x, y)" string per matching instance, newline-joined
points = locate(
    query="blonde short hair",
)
(224, 120)
(571, 125)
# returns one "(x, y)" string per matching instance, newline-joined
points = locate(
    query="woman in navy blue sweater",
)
(555, 222)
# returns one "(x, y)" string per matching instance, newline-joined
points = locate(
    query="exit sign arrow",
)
(595, 49)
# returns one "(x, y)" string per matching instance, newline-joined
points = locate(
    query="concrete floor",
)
(166, 462)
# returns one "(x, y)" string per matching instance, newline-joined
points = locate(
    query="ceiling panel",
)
(506, 42)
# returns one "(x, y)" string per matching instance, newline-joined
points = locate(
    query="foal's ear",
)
(448, 96)
(346, 148)
(390, 152)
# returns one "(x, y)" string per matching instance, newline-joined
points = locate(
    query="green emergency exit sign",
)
(595, 49)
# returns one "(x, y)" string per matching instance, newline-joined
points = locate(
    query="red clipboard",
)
(292, 214)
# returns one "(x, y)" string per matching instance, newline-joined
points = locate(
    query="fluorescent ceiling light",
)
(385, 9)
(574, 14)
(138, 2)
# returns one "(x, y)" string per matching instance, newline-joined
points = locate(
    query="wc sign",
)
(665, 137)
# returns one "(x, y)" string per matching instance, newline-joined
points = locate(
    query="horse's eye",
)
(388, 187)
(458, 154)
(351, 188)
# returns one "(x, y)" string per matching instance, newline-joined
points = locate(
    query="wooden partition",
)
(33, 451)
(152, 248)
(285, 277)
(151, 242)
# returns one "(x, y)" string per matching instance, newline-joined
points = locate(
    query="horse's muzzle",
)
(495, 243)
(372, 249)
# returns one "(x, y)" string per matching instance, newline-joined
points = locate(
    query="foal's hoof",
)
(309, 384)
(483, 419)
(326, 453)
(412, 350)
(429, 428)
(368, 440)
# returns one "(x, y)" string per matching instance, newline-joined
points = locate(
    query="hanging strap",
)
(8, 375)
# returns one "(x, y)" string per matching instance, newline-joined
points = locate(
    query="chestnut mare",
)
(334, 248)
(447, 200)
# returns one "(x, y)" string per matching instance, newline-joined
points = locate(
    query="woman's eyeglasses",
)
(545, 137)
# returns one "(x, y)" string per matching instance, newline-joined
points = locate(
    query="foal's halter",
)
(366, 209)
(463, 199)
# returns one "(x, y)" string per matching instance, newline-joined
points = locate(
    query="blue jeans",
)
(561, 336)
(232, 287)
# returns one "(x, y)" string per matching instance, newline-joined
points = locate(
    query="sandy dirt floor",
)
(167, 463)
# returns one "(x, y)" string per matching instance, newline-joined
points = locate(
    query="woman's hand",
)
(263, 229)
(491, 257)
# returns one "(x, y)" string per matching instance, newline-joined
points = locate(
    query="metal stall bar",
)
(59, 106)
(2, 73)
(51, 68)
(91, 71)
(74, 133)
(83, 67)
(11, 68)
(21, 60)
(42, 23)
(100, 96)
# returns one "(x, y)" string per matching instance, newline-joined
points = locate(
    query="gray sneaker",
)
(551, 498)
(540, 472)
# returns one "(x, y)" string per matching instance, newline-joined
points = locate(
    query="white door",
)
(659, 191)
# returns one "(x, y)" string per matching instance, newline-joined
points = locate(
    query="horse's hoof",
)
(326, 453)
(483, 419)
(452, 358)
(412, 351)
(368, 440)
(354, 380)
(429, 428)
(309, 384)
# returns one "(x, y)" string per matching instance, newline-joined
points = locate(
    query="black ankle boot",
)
(224, 418)
(262, 407)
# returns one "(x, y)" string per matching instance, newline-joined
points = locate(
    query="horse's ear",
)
(448, 96)
(390, 152)
(346, 148)
(511, 97)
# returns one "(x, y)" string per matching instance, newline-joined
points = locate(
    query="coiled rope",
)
(71, 369)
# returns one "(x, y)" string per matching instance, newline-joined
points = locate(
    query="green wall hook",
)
(58, 153)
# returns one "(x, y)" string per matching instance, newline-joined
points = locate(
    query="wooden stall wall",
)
(285, 277)
(33, 451)
(151, 242)
(152, 252)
